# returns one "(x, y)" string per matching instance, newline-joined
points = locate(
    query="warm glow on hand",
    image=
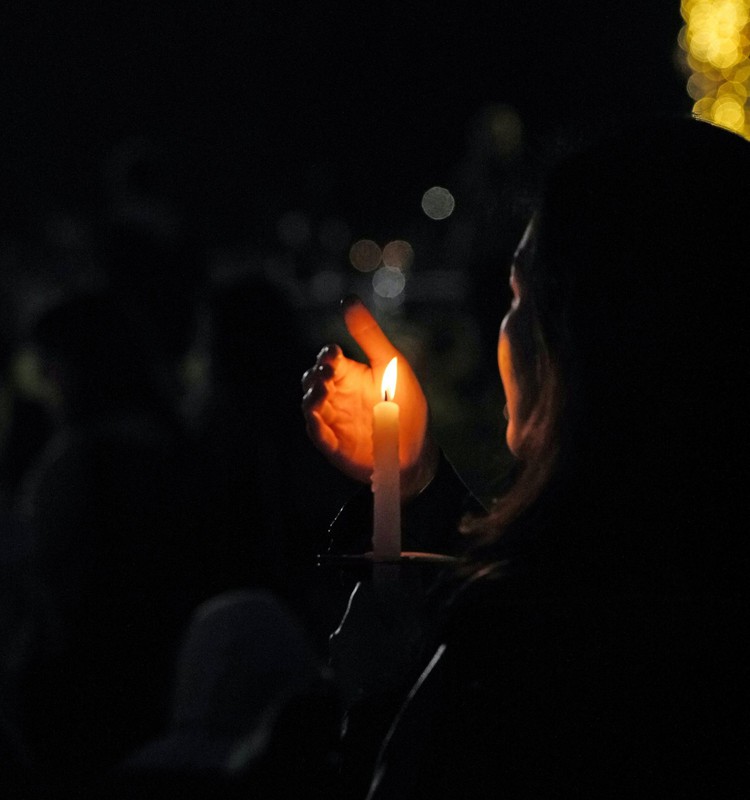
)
(339, 396)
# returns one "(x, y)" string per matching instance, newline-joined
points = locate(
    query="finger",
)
(308, 378)
(319, 372)
(366, 332)
(329, 354)
(320, 433)
(314, 396)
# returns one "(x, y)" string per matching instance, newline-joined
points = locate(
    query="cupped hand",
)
(339, 396)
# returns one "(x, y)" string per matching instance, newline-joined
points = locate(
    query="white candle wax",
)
(386, 481)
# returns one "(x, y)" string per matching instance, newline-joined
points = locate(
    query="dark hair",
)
(640, 287)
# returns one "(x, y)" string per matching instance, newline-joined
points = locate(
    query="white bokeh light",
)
(388, 282)
(438, 203)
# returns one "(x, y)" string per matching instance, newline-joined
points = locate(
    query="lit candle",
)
(386, 482)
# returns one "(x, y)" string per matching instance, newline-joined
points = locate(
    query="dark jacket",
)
(541, 678)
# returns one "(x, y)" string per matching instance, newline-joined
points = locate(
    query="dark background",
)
(340, 111)
(249, 98)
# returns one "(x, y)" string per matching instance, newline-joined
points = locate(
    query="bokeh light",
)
(438, 203)
(715, 41)
(398, 254)
(365, 255)
(388, 282)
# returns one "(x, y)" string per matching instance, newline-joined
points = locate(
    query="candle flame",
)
(388, 386)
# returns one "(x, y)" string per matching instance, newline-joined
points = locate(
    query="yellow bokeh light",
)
(716, 42)
(729, 112)
(696, 86)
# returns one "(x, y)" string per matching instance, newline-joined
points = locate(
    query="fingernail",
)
(331, 350)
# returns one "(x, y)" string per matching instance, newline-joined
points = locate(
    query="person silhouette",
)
(588, 640)
(269, 495)
(254, 710)
(115, 559)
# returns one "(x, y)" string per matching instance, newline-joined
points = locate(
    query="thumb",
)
(366, 332)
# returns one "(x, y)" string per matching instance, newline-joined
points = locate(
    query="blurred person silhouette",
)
(153, 259)
(115, 554)
(588, 641)
(254, 710)
(25, 427)
(156, 278)
(25, 424)
(270, 496)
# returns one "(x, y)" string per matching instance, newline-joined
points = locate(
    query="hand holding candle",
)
(340, 395)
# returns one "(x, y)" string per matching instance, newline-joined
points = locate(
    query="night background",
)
(274, 136)
(188, 190)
